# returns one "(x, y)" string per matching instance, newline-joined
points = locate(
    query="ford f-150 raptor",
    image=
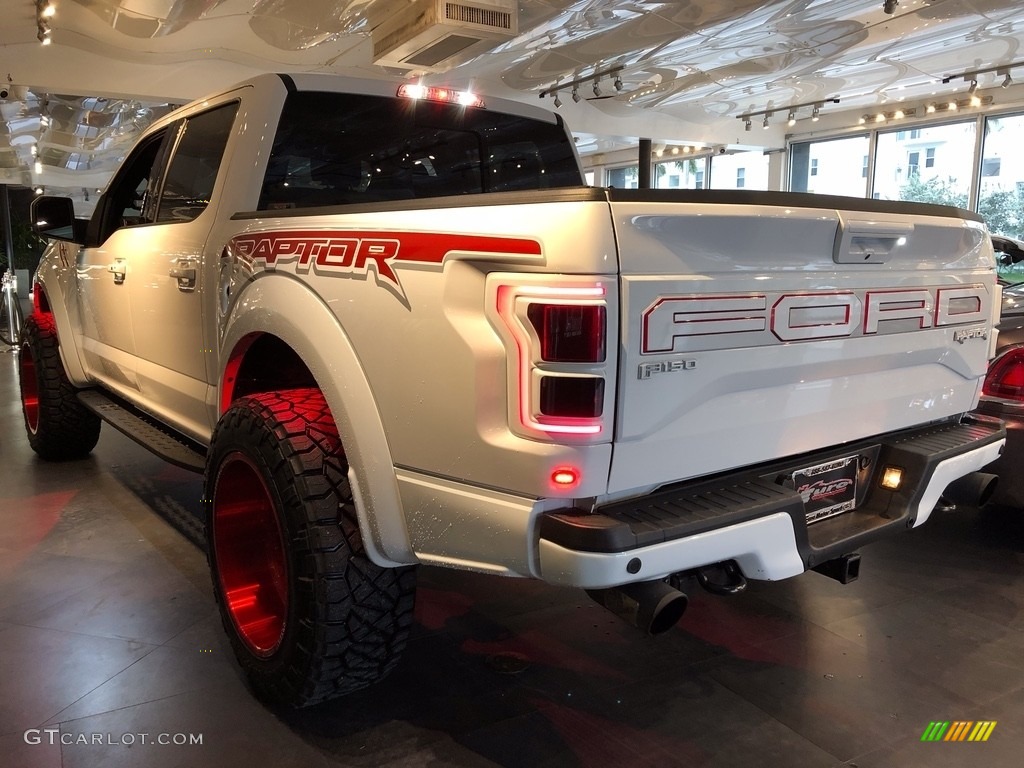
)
(392, 326)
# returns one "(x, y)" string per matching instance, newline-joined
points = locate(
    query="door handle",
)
(184, 271)
(118, 269)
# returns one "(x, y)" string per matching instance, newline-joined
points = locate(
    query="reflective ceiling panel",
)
(688, 69)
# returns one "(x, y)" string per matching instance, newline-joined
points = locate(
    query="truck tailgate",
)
(757, 327)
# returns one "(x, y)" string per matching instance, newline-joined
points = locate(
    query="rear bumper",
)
(1010, 491)
(750, 518)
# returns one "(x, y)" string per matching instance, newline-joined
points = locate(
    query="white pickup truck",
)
(393, 327)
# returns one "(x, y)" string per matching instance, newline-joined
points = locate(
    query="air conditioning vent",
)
(435, 35)
(470, 14)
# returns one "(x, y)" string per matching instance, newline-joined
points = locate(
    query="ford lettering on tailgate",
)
(689, 323)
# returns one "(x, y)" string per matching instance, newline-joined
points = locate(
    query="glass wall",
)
(831, 167)
(929, 164)
(742, 170)
(627, 177)
(687, 173)
(1001, 183)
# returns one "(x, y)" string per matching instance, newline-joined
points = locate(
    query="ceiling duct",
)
(433, 35)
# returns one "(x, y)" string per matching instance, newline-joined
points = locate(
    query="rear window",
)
(336, 149)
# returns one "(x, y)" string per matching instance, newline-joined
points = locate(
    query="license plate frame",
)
(828, 488)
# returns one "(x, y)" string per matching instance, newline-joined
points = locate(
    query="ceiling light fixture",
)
(595, 78)
(764, 123)
(816, 113)
(1007, 81)
(973, 87)
(558, 101)
(880, 117)
(930, 109)
(791, 111)
(898, 114)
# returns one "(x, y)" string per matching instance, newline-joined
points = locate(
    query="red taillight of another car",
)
(1005, 377)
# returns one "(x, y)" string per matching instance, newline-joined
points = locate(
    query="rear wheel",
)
(58, 426)
(310, 617)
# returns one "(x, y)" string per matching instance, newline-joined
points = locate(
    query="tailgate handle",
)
(869, 242)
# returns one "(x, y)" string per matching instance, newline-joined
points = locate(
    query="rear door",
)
(758, 326)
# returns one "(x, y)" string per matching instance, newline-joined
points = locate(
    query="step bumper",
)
(758, 518)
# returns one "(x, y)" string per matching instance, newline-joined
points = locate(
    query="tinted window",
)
(193, 170)
(334, 149)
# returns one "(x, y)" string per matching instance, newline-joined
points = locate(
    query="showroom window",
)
(741, 170)
(1001, 186)
(680, 174)
(933, 164)
(842, 157)
(623, 178)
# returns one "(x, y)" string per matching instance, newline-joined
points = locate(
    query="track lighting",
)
(594, 79)
(558, 101)
(973, 87)
(791, 120)
(1007, 81)
(816, 113)
(746, 124)
(889, 6)
(764, 123)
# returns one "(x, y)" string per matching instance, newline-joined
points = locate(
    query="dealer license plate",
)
(828, 489)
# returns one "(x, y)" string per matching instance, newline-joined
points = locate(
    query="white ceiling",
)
(688, 69)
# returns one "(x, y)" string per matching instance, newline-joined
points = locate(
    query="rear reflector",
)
(565, 478)
(1006, 376)
(569, 333)
(572, 397)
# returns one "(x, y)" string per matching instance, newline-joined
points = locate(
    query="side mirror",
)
(54, 218)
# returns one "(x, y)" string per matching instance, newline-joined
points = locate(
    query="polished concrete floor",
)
(109, 639)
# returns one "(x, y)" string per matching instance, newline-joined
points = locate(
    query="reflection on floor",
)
(109, 642)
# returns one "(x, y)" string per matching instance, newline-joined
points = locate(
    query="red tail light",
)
(559, 334)
(569, 333)
(1006, 376)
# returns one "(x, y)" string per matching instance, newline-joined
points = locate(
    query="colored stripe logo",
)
(959, 730)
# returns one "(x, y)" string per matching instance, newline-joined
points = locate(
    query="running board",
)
(145, 430)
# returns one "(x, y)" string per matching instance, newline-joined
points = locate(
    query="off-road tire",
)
(337, 622)
(58, 426)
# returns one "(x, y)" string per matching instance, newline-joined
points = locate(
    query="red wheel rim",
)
(250, 555)
(29, 388)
